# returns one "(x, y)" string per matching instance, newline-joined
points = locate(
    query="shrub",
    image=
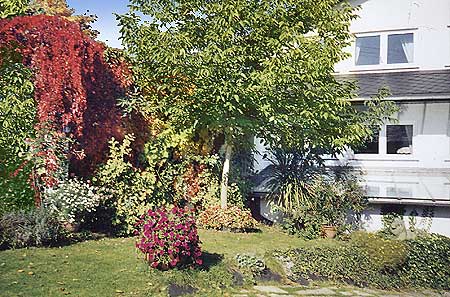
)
(70, 200)
(341, 262)
(31, 228)
(316, 200)
(168, 238)
(369, 260)
(428, 262)
(132, 189)
(233, 218)
(386, 254)
(250, 264)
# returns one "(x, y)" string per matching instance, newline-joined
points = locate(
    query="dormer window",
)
(367, 50)
(400, 48)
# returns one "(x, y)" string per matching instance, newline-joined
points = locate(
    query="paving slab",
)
(317, 292)
(270, 289)
(361, 293)
(346, 293)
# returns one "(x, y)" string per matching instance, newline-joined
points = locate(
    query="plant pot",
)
(71, 227)
(329, 231)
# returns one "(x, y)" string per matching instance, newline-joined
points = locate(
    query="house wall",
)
(430, 143)
(439, 222)
(429, 20)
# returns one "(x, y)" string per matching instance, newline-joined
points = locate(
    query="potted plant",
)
(69, 200)
(337, 198)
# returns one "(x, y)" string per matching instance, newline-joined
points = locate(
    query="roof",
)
(403, 85)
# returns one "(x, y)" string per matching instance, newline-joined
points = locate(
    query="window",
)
(399, 139)
(367, 50)
(400, 48)
(371, 144)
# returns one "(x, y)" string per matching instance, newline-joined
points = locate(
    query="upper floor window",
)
(367, 50)
(384, 49)
(400, 48)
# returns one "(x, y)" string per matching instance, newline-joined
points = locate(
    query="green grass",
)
(111, 266)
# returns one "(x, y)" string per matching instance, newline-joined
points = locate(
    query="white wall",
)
(431, 140)
(440, 223)
(429, 20)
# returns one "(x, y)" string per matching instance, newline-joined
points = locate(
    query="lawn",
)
(112, 266)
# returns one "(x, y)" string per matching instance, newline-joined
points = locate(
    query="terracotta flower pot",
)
(329, 231)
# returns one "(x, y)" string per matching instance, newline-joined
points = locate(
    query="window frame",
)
(382, 145)
(412, 140)
(383, 64)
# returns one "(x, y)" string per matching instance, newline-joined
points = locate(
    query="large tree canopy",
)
(242, 67)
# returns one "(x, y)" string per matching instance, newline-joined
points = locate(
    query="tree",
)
(17, 120)
(240, 67)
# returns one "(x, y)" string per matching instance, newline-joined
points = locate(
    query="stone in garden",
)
(180, 290)
(346, 293)
(321, 291)
(278, 295)
(270, 289)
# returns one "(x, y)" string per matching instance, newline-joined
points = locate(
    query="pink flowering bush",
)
(168, 238)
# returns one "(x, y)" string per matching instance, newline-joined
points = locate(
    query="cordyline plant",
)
(246, 67)
(168, 238)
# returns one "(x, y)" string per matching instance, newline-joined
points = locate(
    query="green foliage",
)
(342, 262)
(323, 200)
(250, 264)
(232, 218)
(428, 262)
(369, 260)
(386, 254)
(17, 120)
(11, 8)
(30, 228)
(131, 189)
(240, 68)
(71, 199)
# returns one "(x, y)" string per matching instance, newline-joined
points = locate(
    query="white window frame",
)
(383, 65)
(382, 145)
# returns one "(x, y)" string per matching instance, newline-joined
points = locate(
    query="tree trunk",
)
(225, 174)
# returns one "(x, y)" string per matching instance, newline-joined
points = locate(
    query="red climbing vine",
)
(75, 87)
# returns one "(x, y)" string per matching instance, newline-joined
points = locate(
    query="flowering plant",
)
(70, 199)
(232, 217)
(168, 238)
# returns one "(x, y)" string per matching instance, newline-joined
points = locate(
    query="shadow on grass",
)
(210, 260)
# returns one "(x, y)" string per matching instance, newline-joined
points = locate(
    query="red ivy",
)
(75, 88)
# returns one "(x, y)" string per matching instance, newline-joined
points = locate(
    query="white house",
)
(404, 45)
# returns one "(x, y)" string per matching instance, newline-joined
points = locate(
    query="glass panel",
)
(371, 144)
(367, 50)
(400, 48)
(399, 139)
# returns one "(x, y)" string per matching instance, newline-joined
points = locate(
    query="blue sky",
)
(106, 23)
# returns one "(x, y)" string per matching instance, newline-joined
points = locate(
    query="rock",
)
(238, 279)
(180, 290)
(267, 275)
